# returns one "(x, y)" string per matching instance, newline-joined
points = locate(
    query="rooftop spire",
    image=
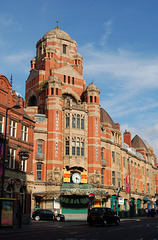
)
(57, 24)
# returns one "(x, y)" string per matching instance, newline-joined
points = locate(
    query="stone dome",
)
(92, 87)
(137, 142)
(78, 56)
(58, 33)
(105, 117)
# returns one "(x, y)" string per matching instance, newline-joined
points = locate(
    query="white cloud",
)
(124, 66)
(107, 31)
(19, 61)
(128, 82)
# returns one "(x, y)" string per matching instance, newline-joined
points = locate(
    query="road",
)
(137, 229)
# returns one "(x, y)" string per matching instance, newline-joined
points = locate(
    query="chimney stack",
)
(127, 138)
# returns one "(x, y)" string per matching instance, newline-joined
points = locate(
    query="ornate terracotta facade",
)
(78, 149)
(78, 136)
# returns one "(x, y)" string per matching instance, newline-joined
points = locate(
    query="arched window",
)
(32, 101)
(102, 175)
(9, 192)
(39, 172)
(39, 146)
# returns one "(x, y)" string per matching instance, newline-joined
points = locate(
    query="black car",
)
(102, 215)
(45, 214)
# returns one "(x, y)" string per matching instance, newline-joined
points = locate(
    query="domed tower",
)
(56, 55)
(91, 96)
(56, 76)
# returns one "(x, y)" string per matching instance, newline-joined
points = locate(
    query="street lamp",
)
(118, 191)
(130, 203)
(4, 151)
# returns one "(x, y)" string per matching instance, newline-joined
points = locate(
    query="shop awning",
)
(47, 195)
(145, 199)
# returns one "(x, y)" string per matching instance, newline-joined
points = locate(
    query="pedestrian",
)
(55, 213)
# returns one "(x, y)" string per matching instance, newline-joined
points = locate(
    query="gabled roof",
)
(25, 115)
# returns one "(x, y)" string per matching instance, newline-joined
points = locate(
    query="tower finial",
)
(57, 27)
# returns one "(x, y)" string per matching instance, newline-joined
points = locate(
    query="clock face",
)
(76, 177)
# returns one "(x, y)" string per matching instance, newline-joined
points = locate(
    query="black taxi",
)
(102, 215)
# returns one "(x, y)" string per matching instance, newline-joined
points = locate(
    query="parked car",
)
(45, 214)
(102, 215)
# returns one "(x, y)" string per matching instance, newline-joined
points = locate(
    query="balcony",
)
(40, 156)
(103, 162)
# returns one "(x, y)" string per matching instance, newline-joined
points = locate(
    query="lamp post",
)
(130, 203)
(118, 191)
(4, 149)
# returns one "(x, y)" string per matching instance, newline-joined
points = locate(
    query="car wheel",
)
(37, 218)
(117, 222)
(58, 218)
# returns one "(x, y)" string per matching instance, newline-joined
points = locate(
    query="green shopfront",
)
(75, 200)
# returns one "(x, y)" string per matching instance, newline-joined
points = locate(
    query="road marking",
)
(116, 229)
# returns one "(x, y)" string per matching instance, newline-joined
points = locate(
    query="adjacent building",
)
(18, 137)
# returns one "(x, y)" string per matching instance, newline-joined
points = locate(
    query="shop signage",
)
(23, 155)
(67, 176)
(74, 201)
(83, 177)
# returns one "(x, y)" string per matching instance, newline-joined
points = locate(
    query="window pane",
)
(64, 48)
(39, 166)
(38, 175)
(73, 143)
(67, 151)
(82, 123)
(82, 151)
(78, 151)
(67, 122)
(78, 123)
(73, 122)
(73, 150)
(39, 148)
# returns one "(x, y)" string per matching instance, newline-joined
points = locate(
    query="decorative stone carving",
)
(54, 175)
(95, 178)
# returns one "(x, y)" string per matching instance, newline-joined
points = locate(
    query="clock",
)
(76, 177)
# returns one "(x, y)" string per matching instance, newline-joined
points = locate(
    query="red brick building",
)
(19, 142)
(78, 149)
(75, 149)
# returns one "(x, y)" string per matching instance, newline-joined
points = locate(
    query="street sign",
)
(121, 201)
(23, 155)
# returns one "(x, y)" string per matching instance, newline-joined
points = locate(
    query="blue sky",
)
(118, 40)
